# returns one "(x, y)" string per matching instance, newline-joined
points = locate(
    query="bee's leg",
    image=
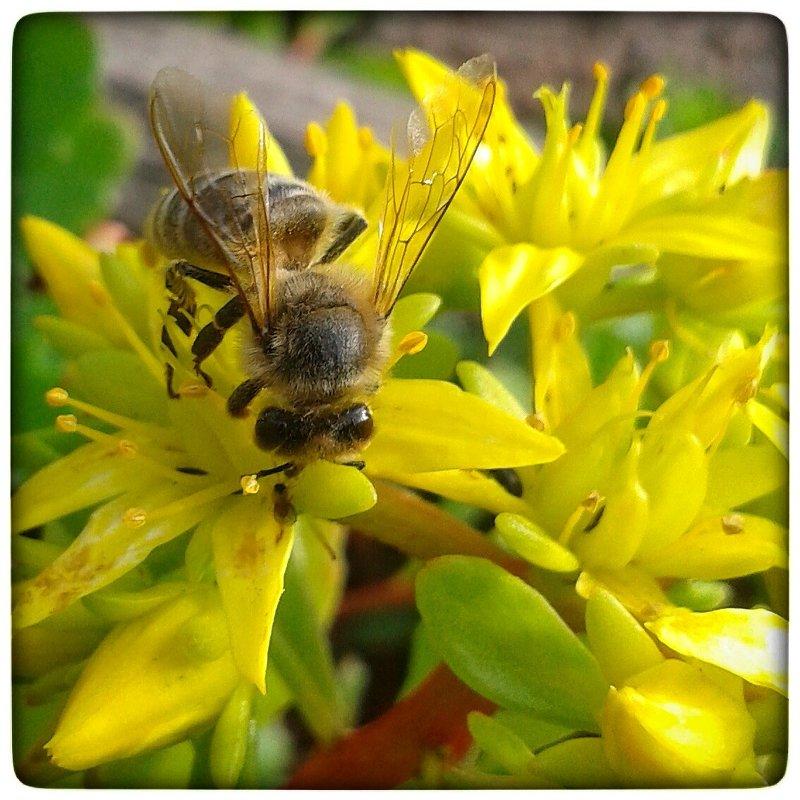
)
(242, 396)
(209, 337)
(208, 277)
(166, 340)
(359, 465)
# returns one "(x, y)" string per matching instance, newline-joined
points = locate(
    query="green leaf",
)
(502, 638)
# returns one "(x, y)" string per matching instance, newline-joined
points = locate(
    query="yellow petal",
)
(468, 486)
(639, 592)
(477, 379)
(775, 428)
(672, 726)
(88, 475)
(71, 270)
(251, 550)
(722, 547)
(425, 425)
(619, 643)
(513, 276)
(146, 685)
(674, 473)
(737, 475)
(750, 642)
(247, 128)
(117, 538)
(560, 366)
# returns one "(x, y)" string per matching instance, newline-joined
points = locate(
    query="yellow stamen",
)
(60, 397)
(250, 484)
(635, 107)
(56, 397)
(732, 524)
(656, 115)
(652, 86)
(574, 134)
(597, 105)
(134, 518)
(413, 342)
(589, 504)
(66, 423)
(659, 353)
(208, 495)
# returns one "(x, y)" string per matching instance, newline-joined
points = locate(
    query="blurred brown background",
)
(297, 64)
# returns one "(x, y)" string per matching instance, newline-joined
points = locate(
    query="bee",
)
(318, 330)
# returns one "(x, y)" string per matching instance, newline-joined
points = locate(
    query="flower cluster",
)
(625, 612)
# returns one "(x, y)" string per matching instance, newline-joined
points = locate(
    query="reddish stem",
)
(394, 592)
(389, 750)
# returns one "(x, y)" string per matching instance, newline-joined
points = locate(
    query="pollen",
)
(413, 342)
(134, 517)
(56, 397)
(66, 423)
(250, 484)
(747, 391)
(732, 524)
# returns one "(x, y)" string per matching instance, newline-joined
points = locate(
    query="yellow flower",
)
(696, 206)
(152, 469)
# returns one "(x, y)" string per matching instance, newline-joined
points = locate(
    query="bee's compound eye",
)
(279, 429)
(355, 424)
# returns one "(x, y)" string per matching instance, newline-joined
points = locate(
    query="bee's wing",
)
(442, 141)
(200, 134)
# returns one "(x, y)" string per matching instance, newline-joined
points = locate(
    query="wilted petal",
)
(722, 547)
(251, 550)
(424, 425)
(148, 684)
(513, 276)
(749, 642)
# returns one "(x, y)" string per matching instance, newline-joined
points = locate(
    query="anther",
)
(66, 423)
(600, 71)
(98, 293)
(134, 518)
(127, 448)
(659, 110)
(193, 390)
(249, 484)
(413, 342)
(574, 134)
(659, 350)
(652, 86)
(565, 326)
(536, 421)
(747, 391)
(732, 524)
(592, 501)
(56, 397)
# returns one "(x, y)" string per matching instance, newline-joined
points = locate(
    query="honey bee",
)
(317, 330)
